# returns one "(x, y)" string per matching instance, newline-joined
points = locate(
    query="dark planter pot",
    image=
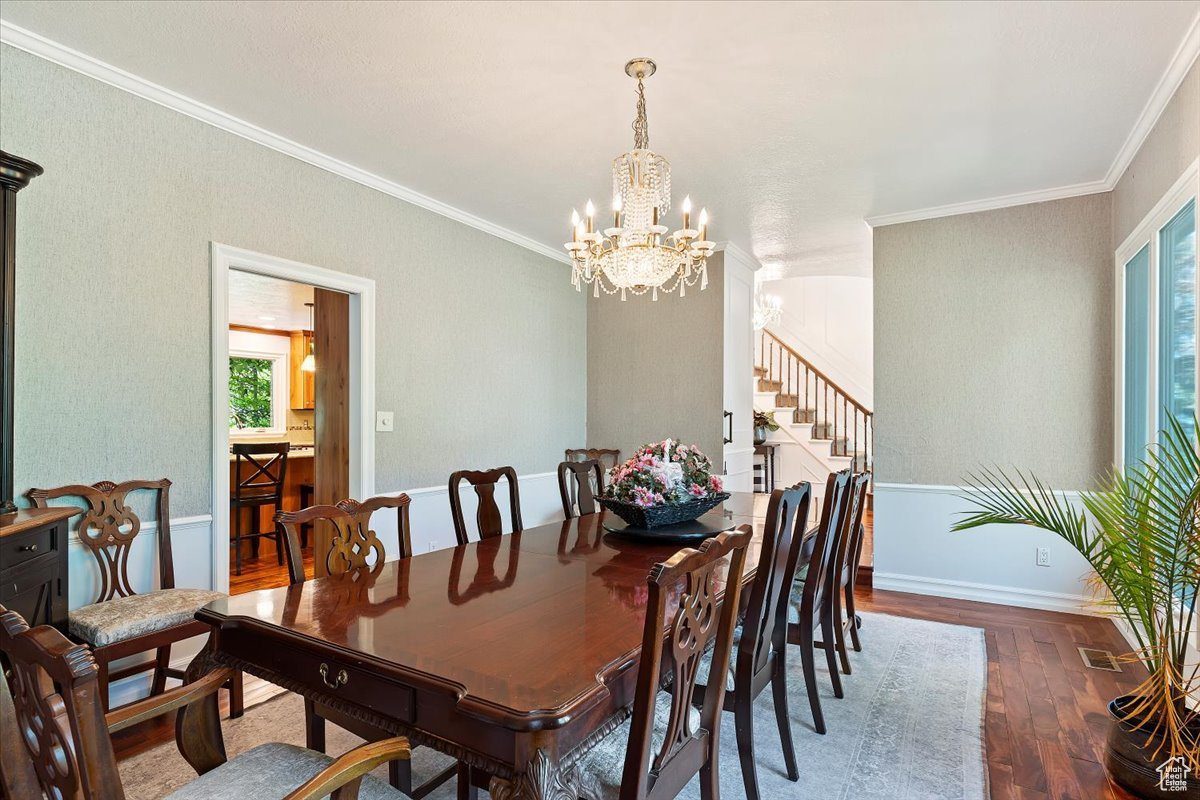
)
(1132, 764)
(637, 517)
(760, 435)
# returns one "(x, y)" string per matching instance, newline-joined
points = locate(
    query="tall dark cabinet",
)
(33, 542)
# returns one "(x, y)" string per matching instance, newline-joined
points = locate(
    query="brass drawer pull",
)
(27, 548)
(340, 680)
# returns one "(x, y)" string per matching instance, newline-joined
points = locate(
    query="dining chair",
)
(579, 483)
(66, 748)
(845, 615)
(121, 622)
(354, 556)
(759, 658)
(608, 459)
(811, 602)
(655, 753)
(488, 521)
(257, 484)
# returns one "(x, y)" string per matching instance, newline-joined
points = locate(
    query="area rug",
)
(909, 727)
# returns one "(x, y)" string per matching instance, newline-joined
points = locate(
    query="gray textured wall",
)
(480, 342)
(654, 368)
(993, 344)
(1173, 144)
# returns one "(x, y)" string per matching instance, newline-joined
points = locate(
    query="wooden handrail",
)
(825, 378)
(834, 414)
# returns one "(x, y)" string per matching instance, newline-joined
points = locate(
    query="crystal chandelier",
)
(636, 255)
(768, 309)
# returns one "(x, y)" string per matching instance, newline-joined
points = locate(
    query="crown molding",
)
(741, 255)
(1168, 84)
(990, 203)
(1185, 55)
(64, 56)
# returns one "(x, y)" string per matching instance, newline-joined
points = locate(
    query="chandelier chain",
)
(641, 128)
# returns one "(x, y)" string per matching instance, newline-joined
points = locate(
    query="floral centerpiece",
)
(662, 484)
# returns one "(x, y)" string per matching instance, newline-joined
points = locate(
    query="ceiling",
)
(263, 302)
(792, 123)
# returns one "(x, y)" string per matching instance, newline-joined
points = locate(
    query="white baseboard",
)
(985, 593)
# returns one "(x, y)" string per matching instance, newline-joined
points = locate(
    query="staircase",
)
(813, 412)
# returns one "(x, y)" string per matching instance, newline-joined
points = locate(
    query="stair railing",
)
(833, 412)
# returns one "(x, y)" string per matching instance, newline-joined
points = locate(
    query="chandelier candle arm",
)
(633, 256)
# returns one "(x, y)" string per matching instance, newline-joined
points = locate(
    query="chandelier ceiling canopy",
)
(637, 255)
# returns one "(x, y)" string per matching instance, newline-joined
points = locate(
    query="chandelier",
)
(768, 309)
(636, 255)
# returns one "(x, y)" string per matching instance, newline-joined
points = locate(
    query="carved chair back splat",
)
(107, 527)
(700, 617)
(608, 458)
(349, 550)
(579, 482)
(487, 517)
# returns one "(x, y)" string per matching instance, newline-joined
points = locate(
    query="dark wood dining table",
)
(514, 654)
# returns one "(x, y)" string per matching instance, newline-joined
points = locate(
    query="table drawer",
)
(329, 677)
(27, 546)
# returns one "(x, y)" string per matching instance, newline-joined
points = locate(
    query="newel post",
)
(15, 175)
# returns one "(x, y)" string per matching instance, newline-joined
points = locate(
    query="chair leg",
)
(236, 696)
(783, 717)
(162, 662)
(314, 728)
(466, 789)
(709, 779)
(400, 775)
(237, 539)
(278, 536)
(854, 620)
(839, 631)
(255, 529)
(743, 723)
(102, 682)
(808, 660)
(829, 645)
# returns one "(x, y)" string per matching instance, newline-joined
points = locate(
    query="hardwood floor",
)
(263, 572)
(1045, 720)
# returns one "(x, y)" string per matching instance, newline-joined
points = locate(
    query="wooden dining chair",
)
(121, 622)
(64, 746)
(488, 521)
(579, 483)
(811, 603)
(608, 458)
(258, 481)
(759, 658)
(845, 615)
(656, 752)
(354, 556)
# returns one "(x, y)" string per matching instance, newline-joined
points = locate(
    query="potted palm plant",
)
(1140, 535)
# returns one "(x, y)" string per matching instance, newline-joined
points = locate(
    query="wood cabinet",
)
(33, 564)
(302, 389)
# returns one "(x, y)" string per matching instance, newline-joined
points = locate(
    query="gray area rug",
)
(909, 727)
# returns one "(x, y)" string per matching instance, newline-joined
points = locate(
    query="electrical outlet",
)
(385, 421)
(1043, 556)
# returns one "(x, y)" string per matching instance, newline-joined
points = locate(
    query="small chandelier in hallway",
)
(633, 255)
(768, 309)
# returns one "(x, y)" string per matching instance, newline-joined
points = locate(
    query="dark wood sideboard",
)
(33, 564)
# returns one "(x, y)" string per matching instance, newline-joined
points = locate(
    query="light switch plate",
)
(385, 421)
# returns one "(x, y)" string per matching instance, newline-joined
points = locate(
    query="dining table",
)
(514, 654)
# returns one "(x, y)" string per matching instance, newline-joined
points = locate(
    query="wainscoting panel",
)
(916, 552)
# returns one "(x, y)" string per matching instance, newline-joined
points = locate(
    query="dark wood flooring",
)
(1045, 721)
(265, 571)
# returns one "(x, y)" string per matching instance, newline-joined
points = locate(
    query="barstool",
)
(263, 486)
(306, 500)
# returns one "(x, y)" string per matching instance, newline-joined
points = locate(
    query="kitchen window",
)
(258, 392)
(1157, 324)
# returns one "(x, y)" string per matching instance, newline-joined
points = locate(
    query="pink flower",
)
(696, 490)
(714, 483)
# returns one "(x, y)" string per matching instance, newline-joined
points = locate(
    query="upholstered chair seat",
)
(272, 770)
(600, 770)
(137, 615)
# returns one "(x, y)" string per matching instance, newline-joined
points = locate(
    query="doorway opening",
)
(293, 404)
